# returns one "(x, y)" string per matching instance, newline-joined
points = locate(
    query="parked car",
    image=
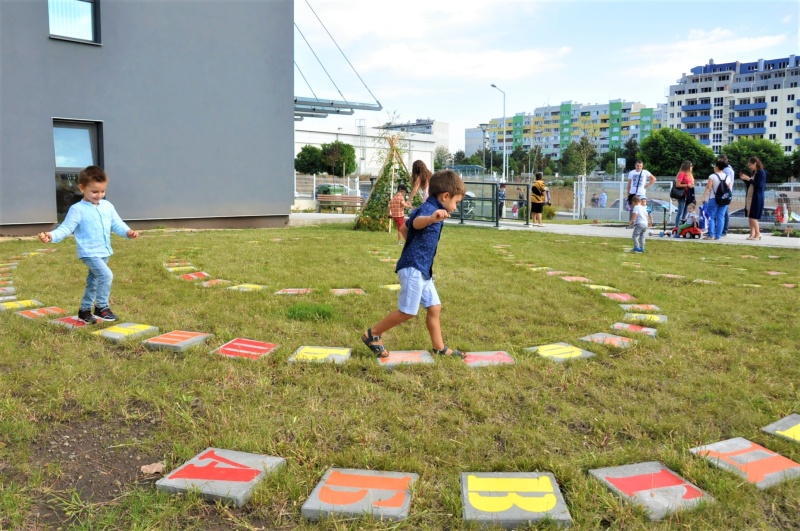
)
(656, 206)
(767, 216)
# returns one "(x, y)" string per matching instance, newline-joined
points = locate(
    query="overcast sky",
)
(437, 58)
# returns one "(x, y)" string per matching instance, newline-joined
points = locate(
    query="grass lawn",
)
(79, 415)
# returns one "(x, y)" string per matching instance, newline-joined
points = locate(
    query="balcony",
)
(750, 131)
(695, 119)
(750, 106)
(697, 107)
(797, 128)
(797, 141)
(697, 130)
(749, 119)
(705, 142)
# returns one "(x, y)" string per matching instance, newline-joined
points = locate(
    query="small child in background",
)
(92, 219)
(397, 211)
(640, 220)
(692, 219)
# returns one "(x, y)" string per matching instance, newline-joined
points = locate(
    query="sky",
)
(438, 58)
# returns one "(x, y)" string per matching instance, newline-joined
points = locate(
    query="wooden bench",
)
(338, 201)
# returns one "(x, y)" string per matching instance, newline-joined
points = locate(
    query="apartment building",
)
(719, 103)
(438, 131)
(552, 128)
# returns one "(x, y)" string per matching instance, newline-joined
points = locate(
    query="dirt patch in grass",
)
(96, 459)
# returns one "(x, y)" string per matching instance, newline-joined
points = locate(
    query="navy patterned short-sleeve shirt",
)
(421, 245)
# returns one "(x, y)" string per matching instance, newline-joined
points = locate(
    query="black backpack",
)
(723, 195)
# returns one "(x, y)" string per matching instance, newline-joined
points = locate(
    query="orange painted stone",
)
(245, 348)
(757, 465)
(619, 297)
(199, 275)
(41, 312)
(177, 340)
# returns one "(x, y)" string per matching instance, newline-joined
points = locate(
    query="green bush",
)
(549, 212)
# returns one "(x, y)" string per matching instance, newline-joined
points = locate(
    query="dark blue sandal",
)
(371, 342)
(453, 352)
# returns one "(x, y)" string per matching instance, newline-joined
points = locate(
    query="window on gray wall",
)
(77, 145)
(74, 19)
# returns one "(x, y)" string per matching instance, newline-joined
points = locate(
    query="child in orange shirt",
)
(397, 211)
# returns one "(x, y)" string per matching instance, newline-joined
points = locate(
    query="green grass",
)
(724, 365)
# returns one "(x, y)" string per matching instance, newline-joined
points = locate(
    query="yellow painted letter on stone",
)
(498, 504)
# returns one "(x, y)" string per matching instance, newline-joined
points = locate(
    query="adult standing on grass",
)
(420, 179)
(754, 201)
(538, 199)
(415, 267)
(716, 211)
(684, 181)
(728, 171)
(639, 180)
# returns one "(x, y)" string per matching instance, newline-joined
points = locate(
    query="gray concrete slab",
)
(70, 322)
(19, 305)
(245, 348)
(247, 287)
(348, 492)
(487, 358)
(8, 298)
(321, 354)
(640, 308)
(197, 275)
(177, 340)
(609, 339)
(651, 318)
(512, 499)
(757, 465)
(600, 287)
(347, 291)
(653, 486)
(787, 427)
(181, 269)
(560, 352)
(405, 357)
(36, 313)
(126, 331)
(638, 329)
(575, 279)
(215, 282)
(220, 475)
(619, 297)
(293, 291)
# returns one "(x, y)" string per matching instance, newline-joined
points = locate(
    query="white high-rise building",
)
(718, 103)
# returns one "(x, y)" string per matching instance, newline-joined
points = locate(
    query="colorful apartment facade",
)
(719, 103)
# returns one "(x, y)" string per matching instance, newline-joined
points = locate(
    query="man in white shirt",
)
(639, 180)
(728, 171)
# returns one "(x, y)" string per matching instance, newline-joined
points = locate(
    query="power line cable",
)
(304, 79)
(320, 62)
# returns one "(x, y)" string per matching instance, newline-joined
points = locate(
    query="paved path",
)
(600, 231)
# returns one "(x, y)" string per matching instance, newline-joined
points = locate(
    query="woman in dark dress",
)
(754, 203)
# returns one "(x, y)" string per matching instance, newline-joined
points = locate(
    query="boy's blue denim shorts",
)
(415, 290)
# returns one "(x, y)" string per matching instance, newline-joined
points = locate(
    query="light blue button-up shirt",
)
(92, 226)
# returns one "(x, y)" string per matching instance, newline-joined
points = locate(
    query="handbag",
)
(676, 193)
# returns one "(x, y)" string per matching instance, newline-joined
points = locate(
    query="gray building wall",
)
(195, 99)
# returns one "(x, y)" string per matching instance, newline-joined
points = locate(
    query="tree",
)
(630, 152)
(459, 157)
(778, 166)
(579, 158)
(441, 157)
(339, 157)
(795, 157)
(309, 160)
(665, 150)
(519, 160)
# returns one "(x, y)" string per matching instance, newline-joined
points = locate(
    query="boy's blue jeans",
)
(716, 218)
(98, 283)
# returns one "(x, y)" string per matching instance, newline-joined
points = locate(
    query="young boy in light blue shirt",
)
(415, 267)
(92, 219)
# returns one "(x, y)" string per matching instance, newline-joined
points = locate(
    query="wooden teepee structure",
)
(374, 214)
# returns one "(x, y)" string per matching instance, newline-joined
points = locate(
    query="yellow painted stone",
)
(512, 486)
(791, 433)
(125, 331)
(319, 353)
(559, 351)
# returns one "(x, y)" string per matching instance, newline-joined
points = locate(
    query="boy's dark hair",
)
(639, 161)
(446, 181)
(402, 187)
(92, 174)
(539, 176)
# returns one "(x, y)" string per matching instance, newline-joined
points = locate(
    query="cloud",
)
(787, 19)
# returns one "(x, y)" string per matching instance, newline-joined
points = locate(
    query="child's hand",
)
(440, 215)
(132, 234)
(45, 237)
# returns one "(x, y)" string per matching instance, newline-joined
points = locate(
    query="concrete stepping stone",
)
(773, 257)
(487, 358)
(7, 269)
(640, 307)
(377, 253)
(656, 488)
(126, 331)
(245, 348)
(672, 276)
(69, 322)
(19, 305)
(321, 354)
(556, 272)
(575, 279)
(560, 352)
(757, 465)
(541, 268)
(247, 287)
(631, 264)
(388, 260)
(7, 298)
(348, 291)
(748, 256)
(293, 291)
(353, 493)
(609, 339)
(391, 287)
(181, 269)
(220, 475)
(750, 285)
(652, 332)
(215, 282)
(41, 312)
(405, 357)
(789, 285)
(645, 317)
(177, 264)
(501, 246)
(787, 427)
(6, 283)
(599, 287)
(9, 265)
(177, 340)
(774, 273)
(512, 499)
(702, 281)
(198, 275)
(8, 291)
(619, 297)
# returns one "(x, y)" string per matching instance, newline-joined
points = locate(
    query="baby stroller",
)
(702, 214)
(467, 206)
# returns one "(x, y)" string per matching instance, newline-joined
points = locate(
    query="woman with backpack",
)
(754, 201)
(722, 188)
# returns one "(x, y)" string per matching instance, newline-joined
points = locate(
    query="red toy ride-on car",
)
(688, 232)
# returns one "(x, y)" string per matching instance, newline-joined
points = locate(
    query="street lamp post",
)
(505, 162)
(483, 144)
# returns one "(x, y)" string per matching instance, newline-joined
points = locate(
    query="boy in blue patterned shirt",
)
(92, 219)
(415, 267)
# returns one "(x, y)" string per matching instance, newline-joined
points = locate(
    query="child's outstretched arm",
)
(420, 222)
(46, 237)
